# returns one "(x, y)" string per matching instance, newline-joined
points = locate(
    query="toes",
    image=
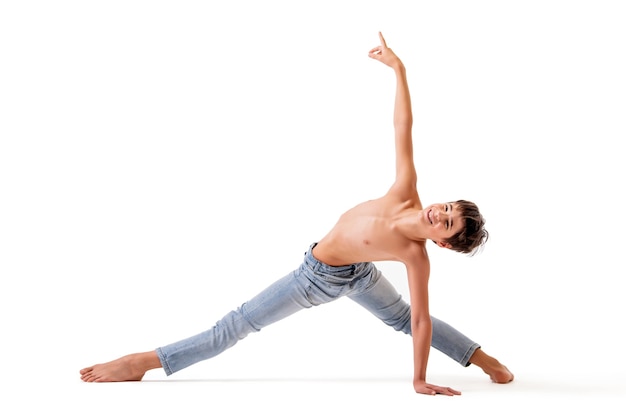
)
(88, 377)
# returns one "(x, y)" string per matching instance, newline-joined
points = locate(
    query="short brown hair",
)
(474, 235)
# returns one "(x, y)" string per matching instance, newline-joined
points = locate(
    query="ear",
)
(445, 245)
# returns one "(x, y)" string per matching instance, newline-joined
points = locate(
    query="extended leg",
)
(278, 301)
(281, 299)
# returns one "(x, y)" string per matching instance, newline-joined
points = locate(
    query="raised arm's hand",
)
(384, 54)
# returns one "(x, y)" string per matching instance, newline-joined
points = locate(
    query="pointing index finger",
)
(382, 40)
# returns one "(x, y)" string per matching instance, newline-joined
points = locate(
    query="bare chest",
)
(368, 232)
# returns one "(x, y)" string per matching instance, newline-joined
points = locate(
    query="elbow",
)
(403, 127)
(403, 123)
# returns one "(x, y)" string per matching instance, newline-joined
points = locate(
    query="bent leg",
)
(281, 299)
(383, 300)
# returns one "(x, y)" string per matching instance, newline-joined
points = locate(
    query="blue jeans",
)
(312, 284)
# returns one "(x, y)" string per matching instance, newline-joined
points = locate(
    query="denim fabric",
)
(312, 284)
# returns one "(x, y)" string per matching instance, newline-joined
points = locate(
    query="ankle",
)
(480, 359)
(144, 361)
(492, 367)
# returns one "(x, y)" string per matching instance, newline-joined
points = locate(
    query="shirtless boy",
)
(394, 227)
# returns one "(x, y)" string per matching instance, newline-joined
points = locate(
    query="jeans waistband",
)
(343, 271)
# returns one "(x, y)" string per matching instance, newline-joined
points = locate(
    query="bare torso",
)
(376, 230)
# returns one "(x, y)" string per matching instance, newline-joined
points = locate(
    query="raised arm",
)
(406, 176)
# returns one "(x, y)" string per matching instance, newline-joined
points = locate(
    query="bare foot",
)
(498, 373)
(127, 368)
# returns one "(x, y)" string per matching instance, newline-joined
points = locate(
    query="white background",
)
(161, 162)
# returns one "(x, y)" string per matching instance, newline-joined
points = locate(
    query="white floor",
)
(600, 395)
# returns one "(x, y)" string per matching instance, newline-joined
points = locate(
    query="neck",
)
(408, 224)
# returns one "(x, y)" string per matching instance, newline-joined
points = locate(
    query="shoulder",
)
(418, 276)
(415, 258)
(403, 192)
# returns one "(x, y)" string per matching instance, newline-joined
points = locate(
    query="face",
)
(443, 221)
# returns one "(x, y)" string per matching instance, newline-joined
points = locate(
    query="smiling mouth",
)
(429, 214)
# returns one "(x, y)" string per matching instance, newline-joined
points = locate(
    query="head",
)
(468, 235)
